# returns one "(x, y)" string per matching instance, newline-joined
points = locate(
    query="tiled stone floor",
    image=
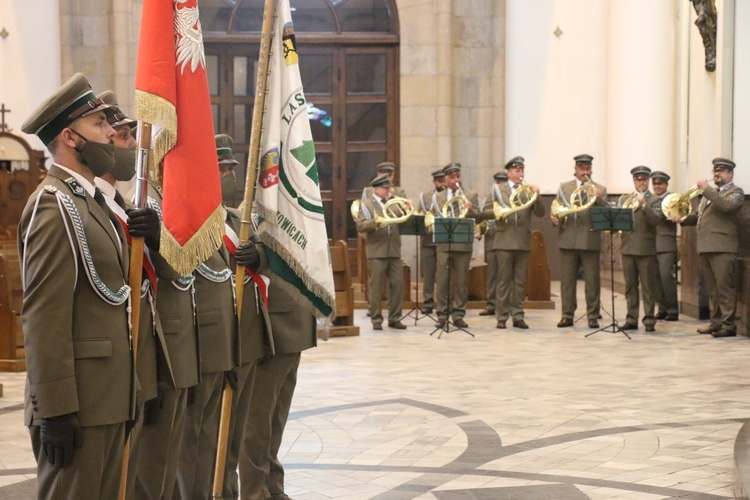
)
(508, 414)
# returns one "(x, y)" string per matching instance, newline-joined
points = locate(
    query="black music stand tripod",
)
(415, 225)
(452, 230)
(611, 220)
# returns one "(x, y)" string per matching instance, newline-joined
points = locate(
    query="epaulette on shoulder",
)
(49, 189)
(75, 187)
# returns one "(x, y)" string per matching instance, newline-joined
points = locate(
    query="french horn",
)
(677, 205)
(631, 202)
(395, 211)
(581, 200)
(520, 199)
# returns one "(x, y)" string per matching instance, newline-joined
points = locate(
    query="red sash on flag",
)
(232, 241)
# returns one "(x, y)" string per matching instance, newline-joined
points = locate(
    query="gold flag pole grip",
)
(136, 273)
(251, 179)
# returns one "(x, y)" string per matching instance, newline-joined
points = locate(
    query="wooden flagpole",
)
(251, 179)
(136, 274)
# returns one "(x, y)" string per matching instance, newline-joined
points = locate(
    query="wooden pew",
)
(12, 357)
(343, 324)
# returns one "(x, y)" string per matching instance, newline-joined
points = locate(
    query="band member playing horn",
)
(579, 244)
(512, 242)
(638, 249)
(383, 251)
(388, 168)
(718, 222)
(666, 250)
(459, 257)
(429, 249)
(489, 246)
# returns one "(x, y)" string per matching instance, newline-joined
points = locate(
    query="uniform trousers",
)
(96, 467)
(160, 445)
(512, 268)
(195, 467)
(458, 263)
(718, 270)
(491, 280)
(241, 399)
(667, 267)
(429, 264)
(378, 270)
(643, 269)
(570, 260)
(261, 472)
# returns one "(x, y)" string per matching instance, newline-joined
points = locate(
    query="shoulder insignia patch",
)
(737, 195)
(50, 189)
(75, 187)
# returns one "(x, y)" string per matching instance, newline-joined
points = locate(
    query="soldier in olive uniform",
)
(219, 352)
(80, 382)
(294, 330)
(512, 245)
(255, 330)
(489, 246)
(579, 247)
(666, 250)
(388, 168)
(428, 248)
(638, 250)
(456, 260)
(718, 245)
(383, 251)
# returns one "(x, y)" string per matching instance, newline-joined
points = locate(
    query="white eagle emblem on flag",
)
(189, 38)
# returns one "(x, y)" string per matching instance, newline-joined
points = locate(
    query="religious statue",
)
(706, 22)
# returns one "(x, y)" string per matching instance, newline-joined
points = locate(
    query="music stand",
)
(415, 225)
(611, 220)
(452, 230)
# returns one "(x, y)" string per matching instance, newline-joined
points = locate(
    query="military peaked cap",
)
(640, 170)
(584, 159)
(224, 145)
(386, 166)
(452, 167)
(515, 162)
(724, 162)
(381, 181)
(115, 116)
(658, 174)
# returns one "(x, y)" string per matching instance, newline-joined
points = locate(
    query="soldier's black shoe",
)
(593, 323)
(724, 333)
(441, 324)
(459, 322)
(427, 310)
(661, 315)
(564, 323)
(629, 326)
(650, 328)
(377, 326)
(708, 329)
(672, 317)
(486, 312)
(520, 324)
(501, 324)
(397, 325)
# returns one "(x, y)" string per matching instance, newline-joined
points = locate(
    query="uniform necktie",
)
(99, 198)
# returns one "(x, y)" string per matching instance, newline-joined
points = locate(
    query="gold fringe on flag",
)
(158, 111)
(205, 241)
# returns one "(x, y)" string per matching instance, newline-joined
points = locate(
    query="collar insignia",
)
(75, 187)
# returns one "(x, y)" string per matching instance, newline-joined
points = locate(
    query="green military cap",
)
(640, 170)
(224, 145)
(438, 174)
(500, 176)
(515, 162)
(452, 167)
(724, 163)
(584, 158)
(386, 166)
(115, 116)
(381, 181)
(71, 101)
(658, 174)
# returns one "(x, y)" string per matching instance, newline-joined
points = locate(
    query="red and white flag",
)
(172, 93)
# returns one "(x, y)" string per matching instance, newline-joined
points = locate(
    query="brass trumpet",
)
(677, 205)
(520, 199)
(581, 199)
(395, 211)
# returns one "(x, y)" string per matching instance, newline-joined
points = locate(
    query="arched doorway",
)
(350, 71)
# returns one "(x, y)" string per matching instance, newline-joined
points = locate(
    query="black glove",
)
(248, 256)
(144, 223)
(232, 378)
(129, 424)
(152, 406)
(60, 437)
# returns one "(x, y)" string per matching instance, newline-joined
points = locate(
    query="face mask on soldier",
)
(124, 166)
(98, 156)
